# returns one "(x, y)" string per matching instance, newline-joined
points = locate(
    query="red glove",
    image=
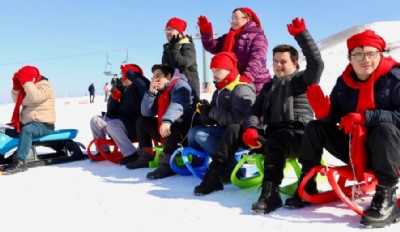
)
(204, 25)
(351, 119)
(250, 137)
(16, 84)
(319, 103)
(116, 94)
(296, 27)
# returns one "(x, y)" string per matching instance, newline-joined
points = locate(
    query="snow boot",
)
(212, 180)
(383, 210)
(269, 200)
(163, 170)
(296, 202)
(142, 160)
(129, 159)
(16, 166)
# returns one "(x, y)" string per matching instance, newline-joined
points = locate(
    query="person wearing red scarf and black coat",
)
(35, 119)
(171, 98)
(365, 103)
(231, 101)
(246, 39)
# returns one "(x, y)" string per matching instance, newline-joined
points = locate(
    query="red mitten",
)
(116, 94)
(319, 103)
(351, 119)
(16, 84)
(204, 25)
(296, 27)
(250, 137)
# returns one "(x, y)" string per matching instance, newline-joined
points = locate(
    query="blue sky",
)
(68, 40)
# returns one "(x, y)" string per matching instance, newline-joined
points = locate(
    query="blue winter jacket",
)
(183, 100)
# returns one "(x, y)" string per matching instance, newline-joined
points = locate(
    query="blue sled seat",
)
(8, 143)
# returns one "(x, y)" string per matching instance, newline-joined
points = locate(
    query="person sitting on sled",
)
(35, 94)
(364, 106)
(123, 110)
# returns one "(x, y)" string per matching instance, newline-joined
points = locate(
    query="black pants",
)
(147, 129)
(281, 143)
(383, 144)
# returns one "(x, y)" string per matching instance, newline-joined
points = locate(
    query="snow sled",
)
(252, 167)
(60, 144)
(115, 156)
(188, 161)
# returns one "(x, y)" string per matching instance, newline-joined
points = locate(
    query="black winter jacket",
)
(302, 110)
(387, 100)
(182, 56)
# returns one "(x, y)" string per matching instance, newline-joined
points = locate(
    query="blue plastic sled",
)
(61, 141)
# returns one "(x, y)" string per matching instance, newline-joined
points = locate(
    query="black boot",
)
(212, 180)
(269, 200)
(163, 170)
(17, 165)
(383, 210)
(142, 161)
(296, 202)
(129, 159)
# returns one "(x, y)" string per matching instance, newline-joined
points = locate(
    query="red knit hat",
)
(366, 38)
(29, 73)
(178, 24)
(133, 67)
(252, 15)
(224, 60)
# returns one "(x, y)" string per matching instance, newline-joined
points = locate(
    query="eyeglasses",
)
(359, 56)
(237, 19)
(169, 29)
(158, 76)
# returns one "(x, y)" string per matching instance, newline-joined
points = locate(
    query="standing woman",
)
(246, 39)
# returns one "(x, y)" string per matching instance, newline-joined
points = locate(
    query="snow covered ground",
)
(101, 196)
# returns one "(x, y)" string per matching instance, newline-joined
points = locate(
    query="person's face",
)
(219, 74)
(126, 82)
(283, 65)
(159, 79)
(238, 20)
(170, 32)
(365, 60)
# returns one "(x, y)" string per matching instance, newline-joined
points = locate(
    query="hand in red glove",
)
(351, 119)
(16, 84)
(296, 27)
(250, 137)
(116, 94)
(319, 103)
(204, 25)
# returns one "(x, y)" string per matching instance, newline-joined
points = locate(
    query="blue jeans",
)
(29, 132)
(206, 138)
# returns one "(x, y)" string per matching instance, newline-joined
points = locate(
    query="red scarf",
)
(231, 77)
(366, 102)
(15, 121)
(229, 41)
(164, 100)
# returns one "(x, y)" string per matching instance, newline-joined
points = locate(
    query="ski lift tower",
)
(205, 66)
